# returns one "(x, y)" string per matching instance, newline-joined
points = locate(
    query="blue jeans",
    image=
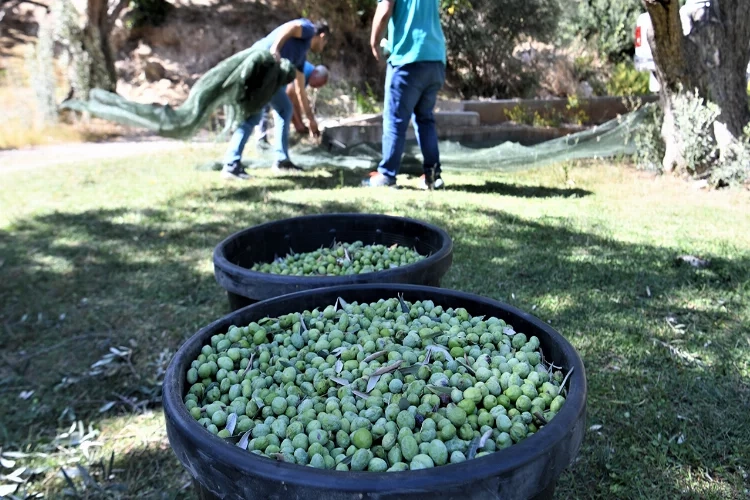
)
(282, 117)
(410, 91)
(263, 126)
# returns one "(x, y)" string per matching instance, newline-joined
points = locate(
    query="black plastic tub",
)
(234, 256)
(525, 470)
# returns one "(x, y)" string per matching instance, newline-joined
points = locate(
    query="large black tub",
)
(526, 470)
(234, 256)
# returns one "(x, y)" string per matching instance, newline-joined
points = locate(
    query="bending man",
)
(315, 77)
(290, 41)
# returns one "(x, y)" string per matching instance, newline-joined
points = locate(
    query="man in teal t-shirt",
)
(415, 74)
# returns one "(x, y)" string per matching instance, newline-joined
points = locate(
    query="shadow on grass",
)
(519, 191)
(663, 345)
(72, 285)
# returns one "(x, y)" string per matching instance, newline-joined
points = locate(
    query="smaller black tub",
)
(234, 256)
(526, 470)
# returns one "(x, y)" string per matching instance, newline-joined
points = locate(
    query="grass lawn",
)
(117, 255)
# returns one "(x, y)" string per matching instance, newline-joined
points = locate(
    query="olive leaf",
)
(244, 440)
(347, 460)
(304, 326)
(541, 418)
(360, 394)
(339, 366)
(248, 367)
(442, 350)
(562, 384)
(477, 443)
(343, 302)
(433, 334)
(388, 369)
(466, 365)
(375, 355)
(404, 308)
(285, 363)
(410, 370)
(339, 380)
(439, 389)
(372, 382)
(231, 422)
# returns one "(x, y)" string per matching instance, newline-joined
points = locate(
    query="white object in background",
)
(643, 58)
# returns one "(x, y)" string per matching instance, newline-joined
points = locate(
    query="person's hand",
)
(376, 50)
(314, 131)
(301, 129)
(276, 53)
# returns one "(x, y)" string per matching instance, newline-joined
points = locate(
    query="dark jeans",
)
(410, 91)
(282, 117)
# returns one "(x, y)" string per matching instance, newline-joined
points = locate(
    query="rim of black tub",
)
(232, 276)
(568, 426)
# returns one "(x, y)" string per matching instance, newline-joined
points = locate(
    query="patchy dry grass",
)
(117, 255)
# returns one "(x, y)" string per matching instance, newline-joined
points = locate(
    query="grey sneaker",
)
(376, 179)
(234, 171)
(285, 166)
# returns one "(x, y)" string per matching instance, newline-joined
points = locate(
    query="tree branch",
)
(117, 11)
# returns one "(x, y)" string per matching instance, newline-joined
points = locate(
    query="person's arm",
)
(379, 23)
(292, 29)
(299, 85)
(299, 125)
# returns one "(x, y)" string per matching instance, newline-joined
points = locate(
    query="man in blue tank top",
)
(414, 75)
(291, 41)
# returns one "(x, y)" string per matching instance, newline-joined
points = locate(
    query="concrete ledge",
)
(521, 134)
(457, 118)
(598, 109)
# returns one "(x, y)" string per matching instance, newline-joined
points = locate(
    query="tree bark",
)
(712, 58)
(96, 43)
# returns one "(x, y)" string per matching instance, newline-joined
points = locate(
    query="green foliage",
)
(610, 25)
(550, 117)
(575, 114)
(734, 167)
(649, 145)
(694, 120)
(627, 81)
(523, 116)
(480, 40)
(367, 102)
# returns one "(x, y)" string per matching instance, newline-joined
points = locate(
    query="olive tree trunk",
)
(712, 58)
(96, 44)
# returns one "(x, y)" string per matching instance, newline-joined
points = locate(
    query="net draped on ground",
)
(611, 139)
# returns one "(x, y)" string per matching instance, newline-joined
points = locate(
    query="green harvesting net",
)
(243, 83)
(611, 139)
